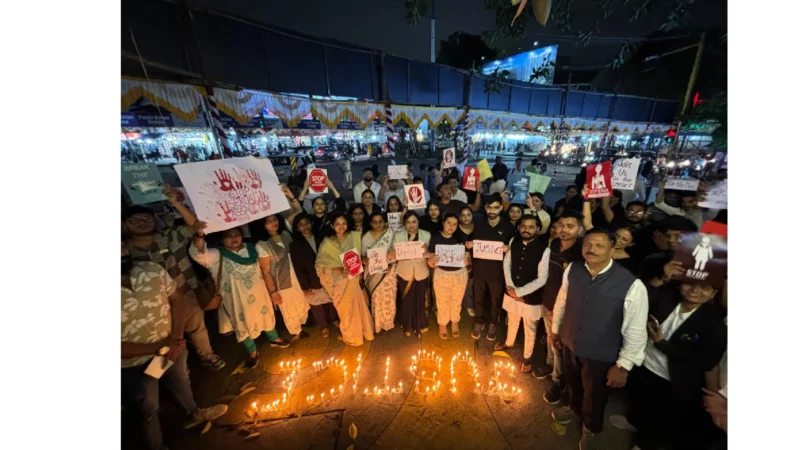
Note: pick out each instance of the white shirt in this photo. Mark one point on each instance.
(541, 274)
(361, 187)
(634, 320)
(399, 192)
(497, 187)
(460, 195)
(654, 359)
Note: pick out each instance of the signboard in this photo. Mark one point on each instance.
(318, 180)
(711, 227)
(377, 260)
(682, 184)
(352, 263)
(398, 172)
(449, 157)
(519, 189)
(522, 65)
(227, 193)
(415, 195)
(450, 255)
(144, 114)
(471, 180)
(539, 183)
(487, 250)
(395, 221)
(484, 170)
(409, 250)
(625, 171)
(143, 183)
(705, 258)
(598, 179)
(716, 197)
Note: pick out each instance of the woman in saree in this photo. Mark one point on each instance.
(381, 287)
(348, 297)
(413, 278)
(246, 308)
(280, 276)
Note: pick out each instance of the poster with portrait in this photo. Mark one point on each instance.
(472, 179)
(415, 194)
(598, 179)
(704, 256)
(519, 189)
(449, 158)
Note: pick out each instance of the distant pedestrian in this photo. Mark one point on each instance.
(344, 166)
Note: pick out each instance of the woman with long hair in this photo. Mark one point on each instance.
(356, 215)
(536, 204)
(319, 209)
(381, 287)
(394, 205)
(303, 251)
(246, 308)
(449, 283)
(431, 221)
(464, 233)
(623, 249)
(348, 297)
(412, 278)
(368, 202)
(514, 213)
(280, 276)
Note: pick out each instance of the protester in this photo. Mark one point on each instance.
(488, 281)
(431, 222)
(536, 204)
(169, 250)
(393, 205)
(671, 198)
(246, 308)
(688, 209)
(391, 188)
(153, 313)
(449, 283)
(344, 166)
(456, 193)
(525, 269)
(602, 339)
(319, 207)
(356, 215)
(665, 237)
(366, 185)
(348, 297)
(303, 252)
(381, 287)
(281, 279)
(514, 213)
(500, 169)
(517, 169)
(447, 204)
(465, 229)
(368, 202)
(571, 192)
(412, 278)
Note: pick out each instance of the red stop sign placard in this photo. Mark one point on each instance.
(317, 181)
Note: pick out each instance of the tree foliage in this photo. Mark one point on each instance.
(712, 111)
(416, 10)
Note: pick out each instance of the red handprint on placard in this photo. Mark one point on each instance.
(263, 201)
(255, 179)
(239, 185)
(224, 178)
(225, 210)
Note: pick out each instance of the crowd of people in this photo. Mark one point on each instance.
(599, 275)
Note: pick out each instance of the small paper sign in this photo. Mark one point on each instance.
(484, 169)
(318, 181)
(377, 260)
(471, 179)
(598, 178)
(487, 250)
(519, 190)
(352, 263)
(682, 184)
(157, 367)
(716, 197)
(398, 172)
(450, 255)
(705, 258)
(625, 171)
(449, 158)
(143, 183)
(395, 221)
(539, 183)
(409, 250)
(415, 195)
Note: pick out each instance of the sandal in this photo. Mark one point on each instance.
(443, 331)
(501, 346)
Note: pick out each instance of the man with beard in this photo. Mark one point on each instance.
(169, 249)
(365, 185)
(488, 280)
(600, 317)
(634, 217)
(447, 204)
(152, 325)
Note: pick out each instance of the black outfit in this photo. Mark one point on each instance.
(319, 225)
(464, 237)
(375, 207)
(488, 279)
(670, 412)
(429, 225)
(558, 264)
(303, 258)
(631, 264)
(438, 239)
(453, 207)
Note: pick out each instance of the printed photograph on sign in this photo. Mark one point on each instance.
(449, 158)
(598, 178)
(415, 194)
(716, 197)
(377, 261)
(450, 255)
(398, 172)
(231, 192)
(395, 221)
(143, 183)
(682, 184)
(539, 183)
(487, 250)
(625, 173)
(318, 181)
(472, 179)
(409, 250)
(352, 263)
(704, 256)
(519, 190)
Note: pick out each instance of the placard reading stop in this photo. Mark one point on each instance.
(318, 181)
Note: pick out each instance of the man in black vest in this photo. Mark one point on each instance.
(525, 268)
(600, 316)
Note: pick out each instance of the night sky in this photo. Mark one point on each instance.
(380, 24)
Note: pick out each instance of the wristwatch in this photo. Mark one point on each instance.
(163, 350)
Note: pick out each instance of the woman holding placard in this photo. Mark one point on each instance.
(464, 232)
(450, 279)
(381, 287)
(343, 286)
(412, 281)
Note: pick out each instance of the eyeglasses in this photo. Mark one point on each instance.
(141, 219)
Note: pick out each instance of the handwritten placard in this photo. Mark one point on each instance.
(409, 250)
(449, 158)
(395, 221)
(398, 172)
(716, 197)
(377, 260)
(598, 179)
(450, 255)
(682, 184)
(625, 171)
(487, 250)
(539, 183)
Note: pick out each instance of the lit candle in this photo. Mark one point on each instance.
(322, 397)
(375, 389)
(340, 388)
(365, 391)
(281, 365)
(427, 389)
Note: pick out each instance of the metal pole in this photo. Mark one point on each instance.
(433, 32)
(693, 77)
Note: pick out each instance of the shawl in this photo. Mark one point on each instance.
(329, 252)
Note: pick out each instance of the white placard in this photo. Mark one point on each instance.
(227, 193)
(157, 367)
(398, 172)
(450, 255)
(377, 260)
(449, 158)
(415, 194)
(395, 221)
(533, 312)
(624, 174)
(716, 197)
(682, 184)
(409, 250)
(487, 250)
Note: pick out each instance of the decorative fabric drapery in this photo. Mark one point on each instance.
(414, 115)
(330, 113)
(180, 99)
